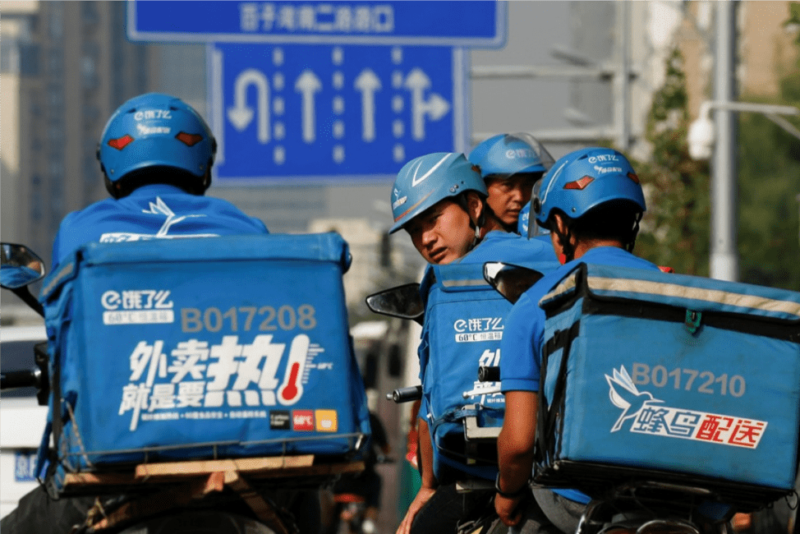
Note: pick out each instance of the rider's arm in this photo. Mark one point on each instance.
(519, 374)
(429, 482)
(515, 453)
(426, 456)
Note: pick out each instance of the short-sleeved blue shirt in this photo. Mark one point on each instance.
(521, 346)
(157, 211)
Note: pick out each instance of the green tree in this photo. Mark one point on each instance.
(769, 182)
(675, 229)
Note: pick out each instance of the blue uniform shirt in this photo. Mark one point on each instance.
(521, 346)
(157, 211)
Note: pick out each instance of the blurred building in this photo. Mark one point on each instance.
(67, 66)
(378, 263)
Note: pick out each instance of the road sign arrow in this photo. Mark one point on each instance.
(437, 107)
(367, 82)
(241, 114)
(308, 84)
(417, 80)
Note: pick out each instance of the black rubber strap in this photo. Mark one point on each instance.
(546, 420)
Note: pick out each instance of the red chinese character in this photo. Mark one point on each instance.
(709, 428)
(747, 433)
(712, 428)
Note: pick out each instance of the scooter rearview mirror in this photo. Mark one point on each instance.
(401, 301)
(510, 280)
(19, 266)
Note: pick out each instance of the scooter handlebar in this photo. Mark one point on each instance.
(405, 394)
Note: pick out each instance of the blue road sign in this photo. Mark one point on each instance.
(332, 114)
(430, 23)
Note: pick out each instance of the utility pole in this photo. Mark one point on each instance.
(724, 261)
(621, 79)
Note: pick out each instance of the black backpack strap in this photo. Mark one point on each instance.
(548, 412)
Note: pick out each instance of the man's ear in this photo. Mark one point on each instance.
(474, 206)
(559, 223)
(559, 229)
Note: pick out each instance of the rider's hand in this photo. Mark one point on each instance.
(509, 510)
(423, 495)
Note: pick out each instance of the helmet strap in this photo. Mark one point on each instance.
(564, 238)
(634, 232)
(476, 225)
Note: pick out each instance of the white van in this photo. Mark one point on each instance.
(22, 420)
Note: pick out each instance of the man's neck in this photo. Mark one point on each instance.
(491, 225)
(585, 246)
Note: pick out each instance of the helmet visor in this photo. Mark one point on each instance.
(533, 225)
(524, 154)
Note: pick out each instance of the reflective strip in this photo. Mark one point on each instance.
(64, 272)
(563, 287)
(678, 291)
(464, 283)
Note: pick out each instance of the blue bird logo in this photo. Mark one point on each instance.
(626, 396)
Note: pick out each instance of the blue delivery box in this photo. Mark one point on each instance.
(202, 348)
(654, 376)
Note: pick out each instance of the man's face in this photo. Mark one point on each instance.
(442, 233)
(507, 196)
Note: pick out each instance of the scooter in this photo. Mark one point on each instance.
(190, 497)
(638, 506)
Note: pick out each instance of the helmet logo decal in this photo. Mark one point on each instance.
(399, 202)
(605, 170)
(416, 181)
(120, 142)
(150, 130)
(157, 208)
(603, 157)
(152, 114)
(519, 153)
(423, 199)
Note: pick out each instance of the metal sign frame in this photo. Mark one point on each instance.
(466, 37)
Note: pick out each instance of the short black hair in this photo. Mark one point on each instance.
(191, 183)
(616, 220)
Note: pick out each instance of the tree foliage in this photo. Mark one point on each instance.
(675, 229)
(769, 182)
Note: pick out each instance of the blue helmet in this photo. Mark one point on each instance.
(585, 179)
(505, 155)
(156, 130)
(426, 180)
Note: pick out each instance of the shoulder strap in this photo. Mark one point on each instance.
(548, 412)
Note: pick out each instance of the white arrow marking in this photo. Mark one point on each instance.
(367, 82)
(436, 107)
(241, 114)
(308, 84)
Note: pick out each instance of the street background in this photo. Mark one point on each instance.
(633, 75)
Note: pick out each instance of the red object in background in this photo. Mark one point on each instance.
(412, 446)
(665, 269)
